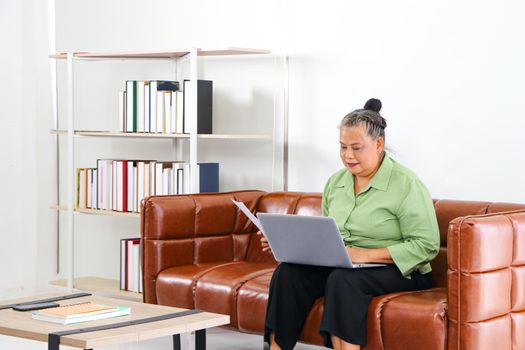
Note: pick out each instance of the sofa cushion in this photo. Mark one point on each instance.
(175, 285)
(251, 303)
(391, 317)
(415, 320)
(217, 289)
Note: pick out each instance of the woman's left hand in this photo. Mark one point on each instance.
(369, 255)
(358, 255)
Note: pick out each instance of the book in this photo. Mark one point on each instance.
(204, 106)
(131, 103)
(156, 102)
(122, 111)
(208, 177)
(81, 312)
(140, 105)
(130, 265)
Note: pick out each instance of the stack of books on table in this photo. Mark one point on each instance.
(81, 312)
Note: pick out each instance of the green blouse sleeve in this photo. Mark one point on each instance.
(419, 229)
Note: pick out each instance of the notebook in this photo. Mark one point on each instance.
(80, 312)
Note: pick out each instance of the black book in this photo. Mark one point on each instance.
(167, 85)
(204, 106)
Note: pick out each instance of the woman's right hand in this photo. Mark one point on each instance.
(264, 243)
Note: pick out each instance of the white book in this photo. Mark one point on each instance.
(190, 111)
(107, 184)
(160, 112)
(147, 173)
(158, 178)
(179, 128)
(166, 174)
(131, 266)
(130, 185)
(139, 267)
(119, 184)
(121, 111)
(173, 111)
(167, 111)
(153, 105)
(130, 105)
(140, 183)
(140, 106)
(114, 185)
(100, 184)
(135, 187)
(89, 181)
(123, 275)
(147, 119)
(136, 269)
(81, 188)
(94, 189)
(104, 182)
(152, 177)
(188, 179)
(178, 177)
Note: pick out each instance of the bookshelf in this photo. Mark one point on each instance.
(80, 133)
(186, 143)
(97, 212)
(101, 286)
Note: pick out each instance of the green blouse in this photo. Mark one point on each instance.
(394, 211)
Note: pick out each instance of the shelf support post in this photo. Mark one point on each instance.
(193, 114)
(70, 171)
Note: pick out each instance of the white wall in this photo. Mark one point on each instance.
(26, 225)
(450, 76)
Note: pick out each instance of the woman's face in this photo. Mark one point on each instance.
(360, 154)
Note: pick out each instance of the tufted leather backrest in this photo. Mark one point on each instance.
(283, 203)
(193, 229)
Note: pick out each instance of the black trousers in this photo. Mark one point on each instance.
(347, 293)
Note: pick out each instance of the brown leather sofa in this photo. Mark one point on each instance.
(200, 252)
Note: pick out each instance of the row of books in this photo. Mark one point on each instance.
(130, 268)
(160, 106)
(120, 184)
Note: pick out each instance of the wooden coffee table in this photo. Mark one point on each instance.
(20, 324)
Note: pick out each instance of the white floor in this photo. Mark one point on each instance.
(216, 339)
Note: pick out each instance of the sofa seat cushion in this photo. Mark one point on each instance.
(251, 304)
(217, 289)
(415, 320)
(175, 286)
(391, 320)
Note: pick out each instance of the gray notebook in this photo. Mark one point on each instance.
(309, 240)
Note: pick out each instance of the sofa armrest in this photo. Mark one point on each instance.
(486, 281)
(192, 229)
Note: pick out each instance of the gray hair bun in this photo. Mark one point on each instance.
(373, 104)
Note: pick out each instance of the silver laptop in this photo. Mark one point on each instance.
(309, 240)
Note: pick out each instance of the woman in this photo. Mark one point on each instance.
(385, 215)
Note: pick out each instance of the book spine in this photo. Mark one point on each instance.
(130, 105)
(208, 177)
(153, 105)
